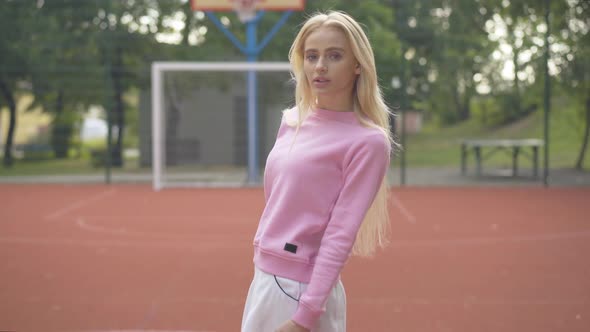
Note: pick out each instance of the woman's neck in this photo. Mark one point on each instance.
(335, 104)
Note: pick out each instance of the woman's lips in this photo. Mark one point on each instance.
(320, 82)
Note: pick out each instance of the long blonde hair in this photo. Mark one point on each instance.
(369, 107)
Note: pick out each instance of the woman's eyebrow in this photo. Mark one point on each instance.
(333, 48)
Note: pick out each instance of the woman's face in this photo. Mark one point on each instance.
(329, 64)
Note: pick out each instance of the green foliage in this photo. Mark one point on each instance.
(440, 146)
(72, 54)
(61, 133)
(15, 20)
(487, 111)
(98, 157)
(376, 17)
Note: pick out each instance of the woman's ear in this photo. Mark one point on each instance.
(357, 69)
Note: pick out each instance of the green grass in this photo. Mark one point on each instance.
(71, 166)
(433, 147)
(50, 167)
(441, 146)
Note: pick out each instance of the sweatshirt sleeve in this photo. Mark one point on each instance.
(365, 165)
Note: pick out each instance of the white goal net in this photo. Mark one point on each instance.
(204, 132)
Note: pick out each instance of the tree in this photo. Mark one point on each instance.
(376, 17)
(65, 78)
(569, 57)
(444, 47)
(14, 62)
(571, 26)
(118, 48)
(466, 45)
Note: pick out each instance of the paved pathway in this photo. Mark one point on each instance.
(414, 177)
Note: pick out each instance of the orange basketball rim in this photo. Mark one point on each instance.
(229, 5)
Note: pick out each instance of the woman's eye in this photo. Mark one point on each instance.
(335, 56)
(311, 57)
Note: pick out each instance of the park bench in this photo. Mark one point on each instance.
(32, 151)
(515, 146)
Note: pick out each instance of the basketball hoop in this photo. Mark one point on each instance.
(246, 9)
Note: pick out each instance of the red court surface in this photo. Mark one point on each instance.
(125, 258)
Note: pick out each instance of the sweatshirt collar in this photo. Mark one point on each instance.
(335, 115)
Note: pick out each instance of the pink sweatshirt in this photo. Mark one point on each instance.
(317, 195)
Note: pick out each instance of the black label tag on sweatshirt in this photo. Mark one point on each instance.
(290, 247)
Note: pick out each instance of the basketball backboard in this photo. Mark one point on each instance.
(229, 5)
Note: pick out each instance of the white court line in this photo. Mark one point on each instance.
(397, 300)
(473, 300)
(196, 245)
(84, 224)
(81, 222)
(467, 300)
(150, 330)
(409, 216)
(217, 218)
(79, 204)
(219, 244)
(494, 240)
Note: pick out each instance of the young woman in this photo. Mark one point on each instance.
(324, 182)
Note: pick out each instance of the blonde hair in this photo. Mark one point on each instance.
(369, 107)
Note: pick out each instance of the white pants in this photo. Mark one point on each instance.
(271, 302)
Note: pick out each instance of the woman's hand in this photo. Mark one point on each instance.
(291, 326)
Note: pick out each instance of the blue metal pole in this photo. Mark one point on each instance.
(273, 31)
(251, 50)
(226, 32)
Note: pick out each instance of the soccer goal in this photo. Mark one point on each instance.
(205, 130)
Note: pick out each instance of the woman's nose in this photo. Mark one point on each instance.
(321, 66)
